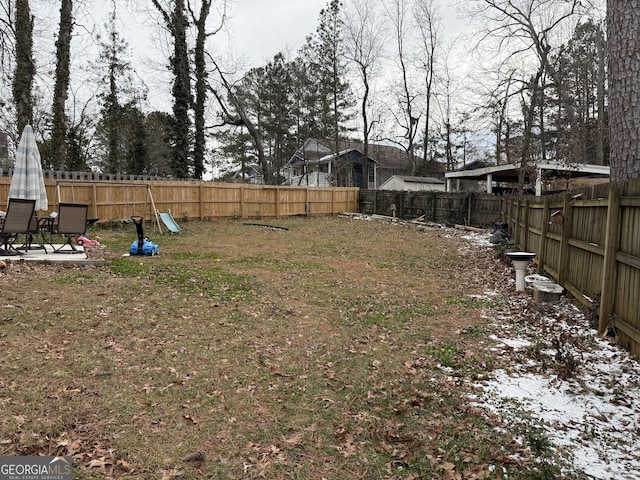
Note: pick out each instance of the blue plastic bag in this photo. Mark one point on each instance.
(148, 248)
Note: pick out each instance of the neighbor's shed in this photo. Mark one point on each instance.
(413, 184)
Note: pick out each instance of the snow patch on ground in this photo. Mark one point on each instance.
(480, 239)
(582, 390)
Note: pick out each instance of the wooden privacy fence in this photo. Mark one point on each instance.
(467, 208)
(589, 242)
(109, 200)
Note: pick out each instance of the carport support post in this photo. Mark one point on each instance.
(489, 183)
(539, 182)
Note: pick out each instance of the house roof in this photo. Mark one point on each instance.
(408, 179)
(314, 159)
(321, 151)
(413, 179)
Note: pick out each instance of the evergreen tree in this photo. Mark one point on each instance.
(236, 150)
(111, 57)
(336, 103)
(581, 74)
(121, 125)
(136, 153)
(157, 143)
(275, 90)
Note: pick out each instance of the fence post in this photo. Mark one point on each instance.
(516, 224)
(242, 201)
(95, 200)
(609, 265)
(542, 255)
(525, 228)
(201, 195)
(563, 264)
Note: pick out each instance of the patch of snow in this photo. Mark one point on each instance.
(481, 239)
(514, 343)
(582, 389)
(592, 416)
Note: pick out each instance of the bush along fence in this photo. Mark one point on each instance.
(588, 241)
(117, 200)
(466, 208)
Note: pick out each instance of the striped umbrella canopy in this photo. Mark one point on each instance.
(27, 181)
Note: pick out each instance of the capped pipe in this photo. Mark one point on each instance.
(521, 261)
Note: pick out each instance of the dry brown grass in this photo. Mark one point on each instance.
(339, 348)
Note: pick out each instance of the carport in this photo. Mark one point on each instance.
(510, 173)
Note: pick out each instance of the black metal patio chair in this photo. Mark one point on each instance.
(16, 222)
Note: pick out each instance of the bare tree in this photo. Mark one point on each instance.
(237, 115)
(427, 23)
(398, 10)
(530, 27)
(7, 35)
(200, 67)
(365, 37)
(445, 102)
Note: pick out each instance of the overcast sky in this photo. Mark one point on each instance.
(262, 28)
(255, 31)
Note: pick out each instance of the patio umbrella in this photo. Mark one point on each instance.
(28, 181)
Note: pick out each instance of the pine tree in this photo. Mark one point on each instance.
(121, 125)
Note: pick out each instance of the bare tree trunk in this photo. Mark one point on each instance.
(601, 129)
(200, 67)
(397, 13)
(365, 38)
(241, 119)
(623, 25)
(427, 22)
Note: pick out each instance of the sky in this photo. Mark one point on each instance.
(262, 28)
(255, 31)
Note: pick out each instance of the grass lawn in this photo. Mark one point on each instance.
(336, 349)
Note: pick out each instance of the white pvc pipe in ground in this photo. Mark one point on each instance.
(521, 261)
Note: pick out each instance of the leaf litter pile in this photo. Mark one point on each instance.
(339, 348)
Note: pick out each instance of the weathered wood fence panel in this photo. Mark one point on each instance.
(589, 242)
(459, 208)
(114, 200)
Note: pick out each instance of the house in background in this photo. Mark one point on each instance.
(314, 164)
(250, 173)
(414, 184)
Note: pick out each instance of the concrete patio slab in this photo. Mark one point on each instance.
(46, 254)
